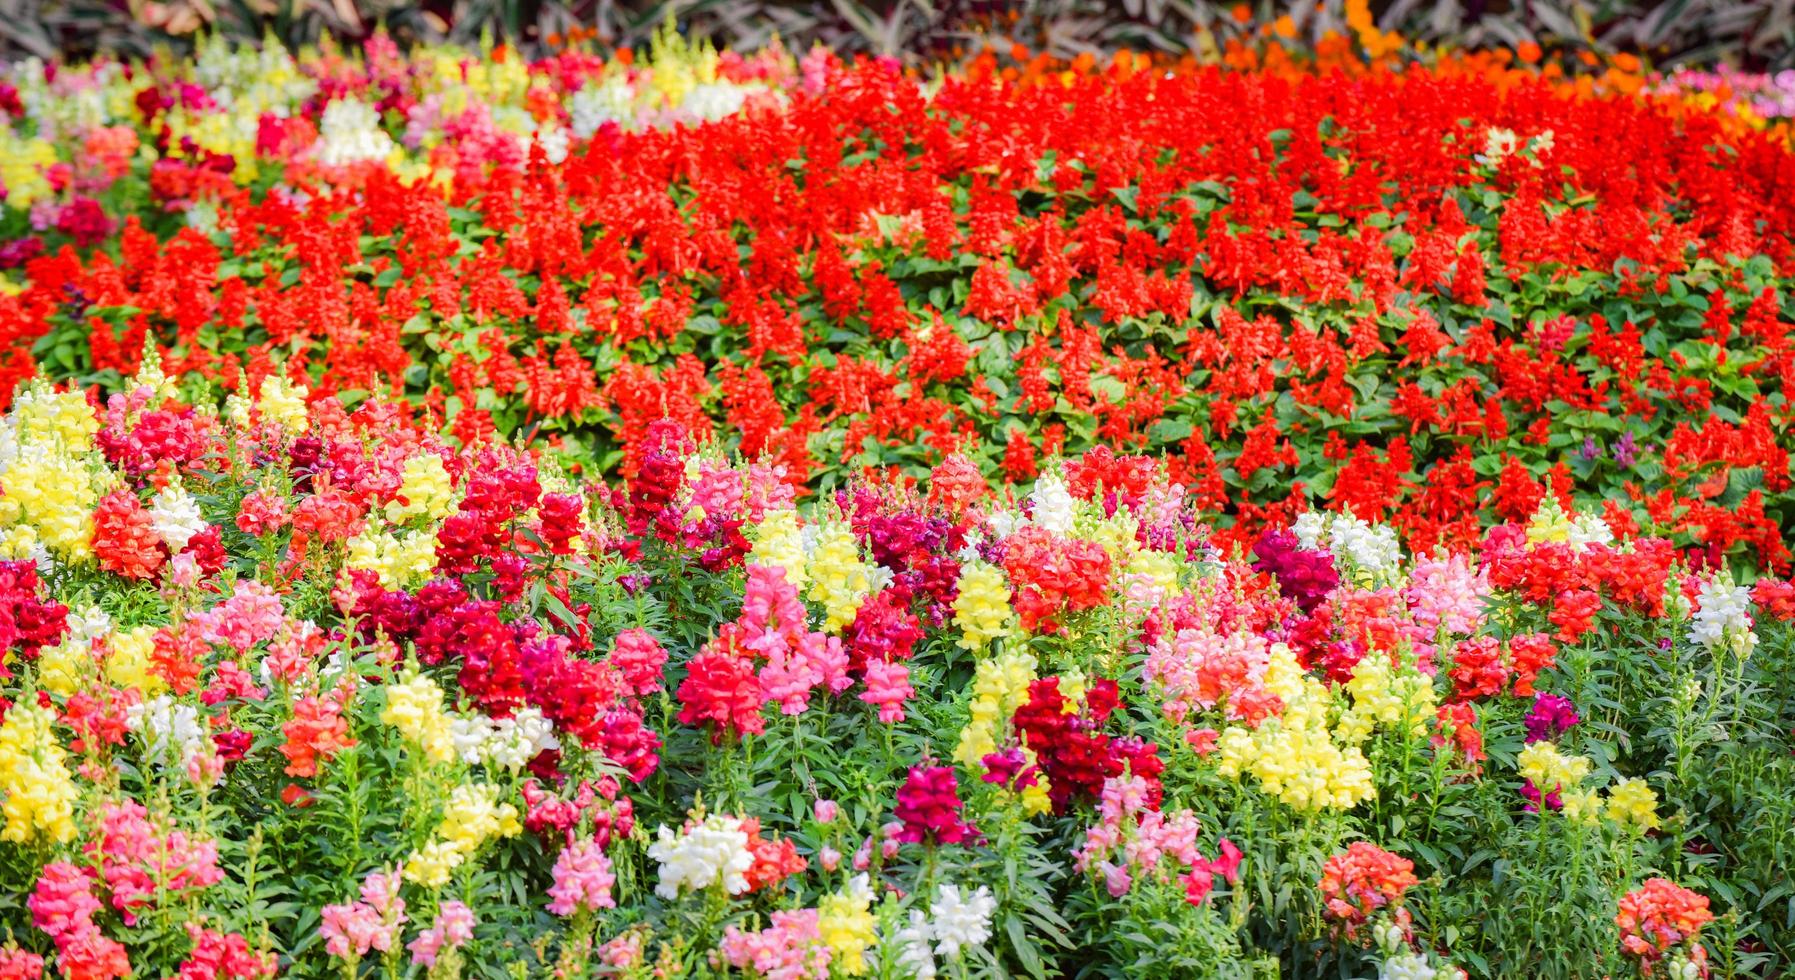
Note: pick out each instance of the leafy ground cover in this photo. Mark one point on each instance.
(710, 514)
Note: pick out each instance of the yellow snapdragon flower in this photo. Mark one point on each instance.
(1160, 568)
(129, 658)
(414, 706)
(19, 541)
(839, 580)
(1546, 767)
(779, 543)
(1293, 756)
(60, 419)
(472, 817)
(23, 163)
(848, 927)
(1631, 802)
(66, 667)
(401, 561)
(34, 778)
(1581, 806)
(1300, 766)
(982, 607)
(1399, 699)
(53, 494)
(283, 403)
(999, 686)
(425, 490)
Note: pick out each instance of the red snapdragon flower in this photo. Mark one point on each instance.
(928, 805)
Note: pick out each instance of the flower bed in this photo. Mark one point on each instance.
(1421, 294)
(303, 690)
(742, 516)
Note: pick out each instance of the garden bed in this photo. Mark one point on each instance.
(1293, 515)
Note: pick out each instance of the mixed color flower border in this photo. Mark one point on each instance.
(707, 515)
(1426, 292)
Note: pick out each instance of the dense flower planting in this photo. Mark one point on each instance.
(294, 689)
(1427, 293)
(708, 515)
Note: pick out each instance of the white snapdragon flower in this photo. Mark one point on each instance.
(88, 623)
(593, 106)
(1407, 965)
(714, 101)
(1309, 529)
(702, 855)
(915, 958)
(1004, 523)
(172, 731)
(175, 516)
(554, 142)
(350, 133)
(1681, 967)
(878, 578)
(9, 440)
(960, 921)
(1371, 549)
(1053, 505)
(518, 739)
(508, 743)
(471, 733)
(1389, 937)
(1723, 617)
(1589, 529)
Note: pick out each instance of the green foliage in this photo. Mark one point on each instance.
(1757, 33)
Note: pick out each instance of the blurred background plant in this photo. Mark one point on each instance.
(1758, 35)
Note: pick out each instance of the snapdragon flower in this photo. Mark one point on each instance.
(915, 957)
(846, 924)
(1722, 618)
(349, 133)
(1052, 505)
(959, 921)
(39, 792)
(171, 730)
(702, 854)
(611, 100)
(1370, 554)
(175, 516)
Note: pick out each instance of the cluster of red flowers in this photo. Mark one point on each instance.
(124, 537)
(506, 665)
(928, 808)
(775, 858)
(1020, 269)
(1073, 751)
(1483, 666)
(1303, 575)
(722, 687)
(28, 620)
(721, 690)
(918, 546)
(1660, 916)
(139, 438)
(1358, 882)
(316, 732)
(1053, 575)
(611, 814)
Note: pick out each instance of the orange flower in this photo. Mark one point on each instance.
(318, 730)
(124, 537)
